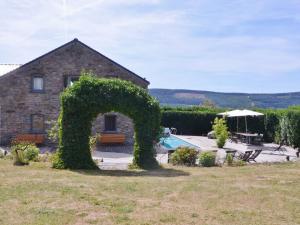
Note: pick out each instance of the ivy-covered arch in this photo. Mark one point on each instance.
(80, 105)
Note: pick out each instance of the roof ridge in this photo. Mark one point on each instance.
(75, 40)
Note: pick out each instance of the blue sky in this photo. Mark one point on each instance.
(220, 45)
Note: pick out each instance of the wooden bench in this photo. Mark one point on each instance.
(112, 138)
(32, 138)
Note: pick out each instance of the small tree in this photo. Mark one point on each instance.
(221, 131)
(24, 152)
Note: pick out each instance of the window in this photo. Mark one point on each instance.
(69, 80)
(38, 84)
(110, 122)
(37, 123)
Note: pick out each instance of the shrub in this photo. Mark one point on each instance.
(31, 153)
(184, 156)
(24, 152)
(221, 131)
(229, 159)
(17, 151)
(207, 159)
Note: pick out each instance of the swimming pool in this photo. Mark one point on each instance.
(173, 142)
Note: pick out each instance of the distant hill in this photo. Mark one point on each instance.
(178, 97)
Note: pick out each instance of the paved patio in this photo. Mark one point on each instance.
(113, 160)
(120, 161)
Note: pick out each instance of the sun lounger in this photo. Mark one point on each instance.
(254, 155)
(245, 156)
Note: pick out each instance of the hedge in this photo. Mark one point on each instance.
(188, 122)
(80, 105)
(275, 125)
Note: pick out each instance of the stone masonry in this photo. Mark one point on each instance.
(18, 102)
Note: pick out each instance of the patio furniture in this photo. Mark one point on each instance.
(245, 156)
(173, 130)
(279, 148)
(112, 138)
(258, 140)
(254, 155)
(233, 138)
(167, 132)
(247, 137)
(241, 113)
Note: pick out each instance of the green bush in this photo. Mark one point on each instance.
(24, 152)
(84, 100)
(221, 131)
(31, 153)
(229, 159)
(207, 159)
(184, 156)
(1, 155)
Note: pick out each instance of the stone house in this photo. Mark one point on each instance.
(29, 96)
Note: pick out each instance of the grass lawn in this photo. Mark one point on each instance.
(256, 194)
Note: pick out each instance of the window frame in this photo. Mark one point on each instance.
(32, 84)
(115, 123)
(31, 124)
(68, 79)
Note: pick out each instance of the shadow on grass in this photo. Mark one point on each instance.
(161, 172)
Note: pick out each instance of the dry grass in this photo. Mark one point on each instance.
(260, 194)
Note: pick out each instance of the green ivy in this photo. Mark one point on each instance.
(80, 105)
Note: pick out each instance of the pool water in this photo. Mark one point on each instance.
(173, 142)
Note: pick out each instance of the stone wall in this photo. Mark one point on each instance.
(124, 126)
(18, 102)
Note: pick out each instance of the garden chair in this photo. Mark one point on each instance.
(279, 148)
(233, 138)
(244, 157)
(254, 155)
(258, 140)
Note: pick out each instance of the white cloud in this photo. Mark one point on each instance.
(155, 37)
